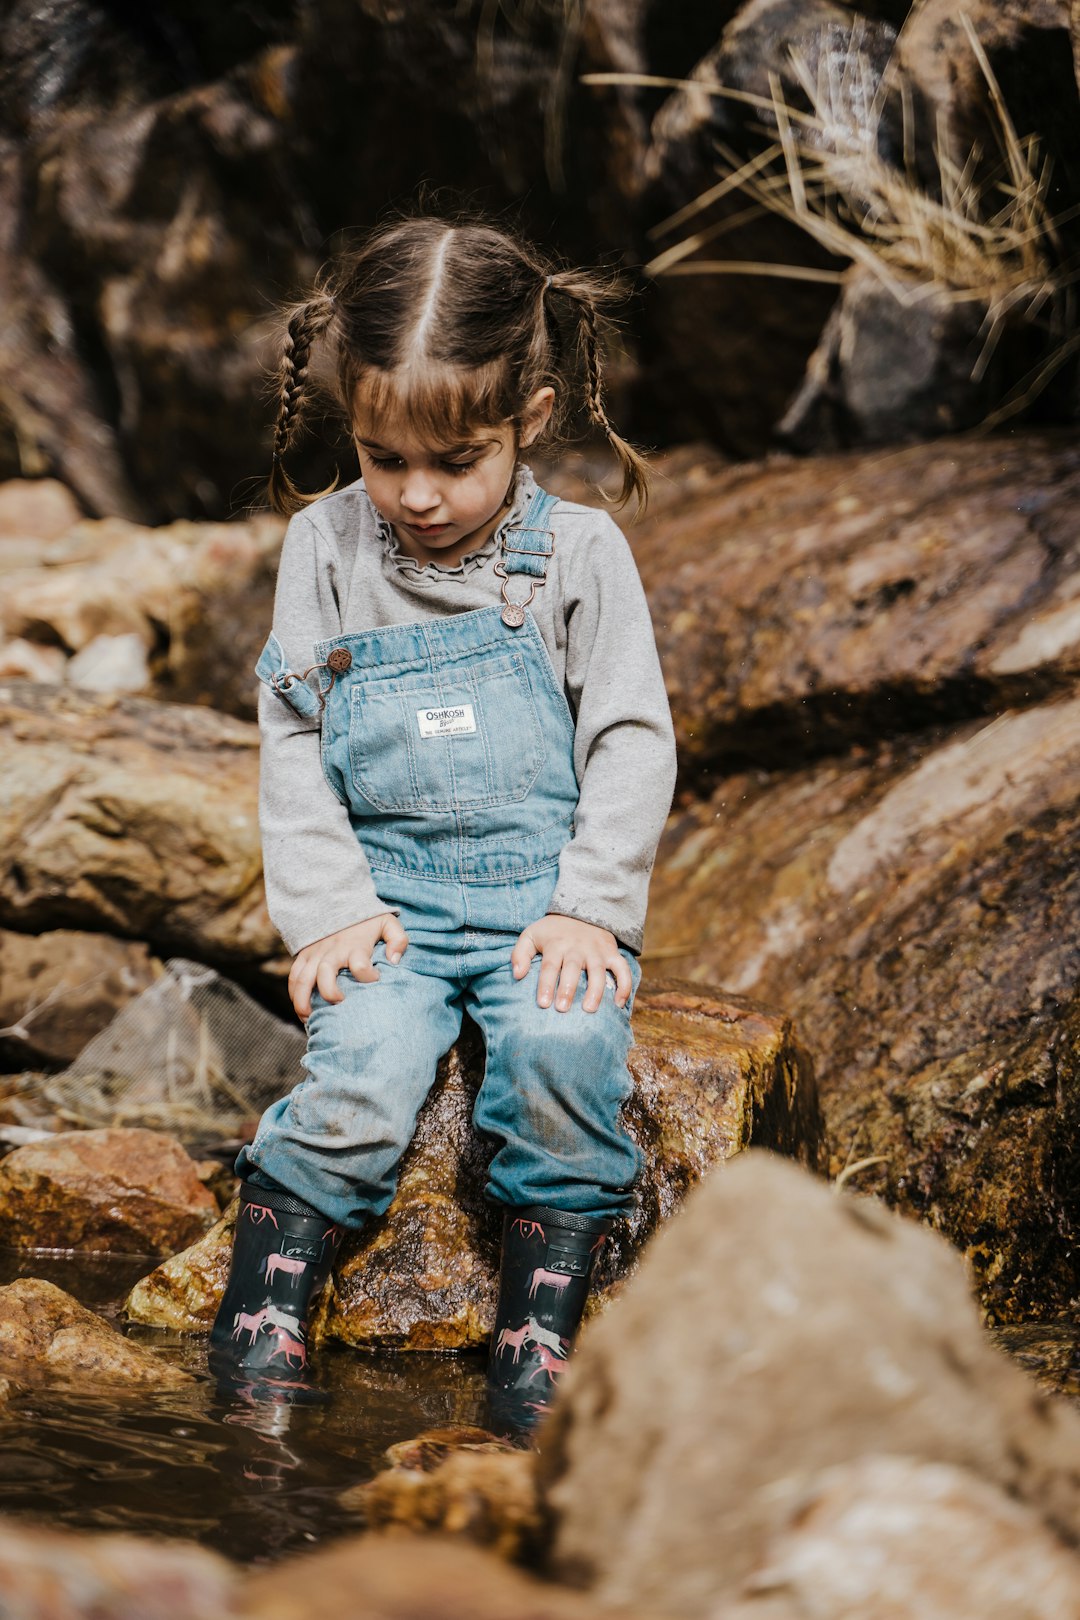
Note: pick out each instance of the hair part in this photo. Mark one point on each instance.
(454, 327)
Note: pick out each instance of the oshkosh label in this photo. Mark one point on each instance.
(454, 721)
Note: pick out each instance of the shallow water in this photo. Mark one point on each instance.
(252, 1481)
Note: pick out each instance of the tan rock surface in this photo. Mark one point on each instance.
(131, 817)
(711, 1074)
(60, 988)
(915, 909)
(404, 1577)
(803, 605)
(43, 1331)
(893, 1538)
(776, 1329)
(118, 1191)
(194, 598)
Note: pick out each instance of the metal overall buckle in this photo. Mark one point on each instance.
(339, 661)
(513, 613)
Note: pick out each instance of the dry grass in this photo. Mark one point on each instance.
(982, 234)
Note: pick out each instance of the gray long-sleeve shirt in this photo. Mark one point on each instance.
(343, 571)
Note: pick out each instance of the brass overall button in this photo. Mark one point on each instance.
(339, 660)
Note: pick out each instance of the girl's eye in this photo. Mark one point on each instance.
(459, 466)
(384, 461)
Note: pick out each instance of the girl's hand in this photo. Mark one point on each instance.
(569, 947)
(318, 965)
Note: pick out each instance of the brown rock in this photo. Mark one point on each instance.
(775, 1330)
(133, 818)
(893, 1538)
(711, 1074)
(915, 908)
(58, 989)
(800, 606)
(50, 1575)
(45, 1331)
(401, 1577)
(120, 1191)
(485, 1493)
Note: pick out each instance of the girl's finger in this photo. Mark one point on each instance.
(522, 954)
(301, 979)
(569, 979)
(549, 976)
(395, 939)
(326, 980)
(361, 969)
(594, 990)
(624, 980)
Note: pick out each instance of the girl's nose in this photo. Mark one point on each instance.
(418, 493)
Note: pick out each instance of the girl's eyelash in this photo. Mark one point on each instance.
(395, 461)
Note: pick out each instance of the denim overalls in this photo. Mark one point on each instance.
(451, 744)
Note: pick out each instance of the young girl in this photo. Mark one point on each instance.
(467, 759)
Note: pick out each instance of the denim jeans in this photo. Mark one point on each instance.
(450, 743)
(553, 1087)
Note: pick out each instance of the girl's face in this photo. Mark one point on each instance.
(443, 500)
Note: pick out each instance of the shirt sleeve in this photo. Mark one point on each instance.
(624, 746)
(317, 875)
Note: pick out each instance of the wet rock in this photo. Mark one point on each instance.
(43, 1331)
(915, 907)
(133, 818)
(58, 989)
(118, 1191)
(803, 606)
(774, 1330)
(482, 1491)
(711, 1074)
(892, 1538)
(398, 1577)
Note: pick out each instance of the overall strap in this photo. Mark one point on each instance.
(527, 546)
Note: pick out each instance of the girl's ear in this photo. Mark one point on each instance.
(536, 415)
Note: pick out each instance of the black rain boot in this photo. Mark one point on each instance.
(548, 1258)
(282, 1254)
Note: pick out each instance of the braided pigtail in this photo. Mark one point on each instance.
(586, 295)
(305, 323)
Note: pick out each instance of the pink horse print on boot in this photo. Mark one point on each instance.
(283, 1262)
(548, 1363)
(548, 1279)
(293, 1350)
(248, 1322)
(518, 1339)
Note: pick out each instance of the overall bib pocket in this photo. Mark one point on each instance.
(459, 739)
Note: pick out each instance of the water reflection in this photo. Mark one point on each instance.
(251, 1478)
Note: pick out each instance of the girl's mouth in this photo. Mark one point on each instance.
(428, 530)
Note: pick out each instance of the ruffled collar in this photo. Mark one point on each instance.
(430, 573)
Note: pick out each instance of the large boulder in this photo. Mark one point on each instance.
(711, 1074)
(916, 907)
(802, 606)
(44, 1333)
(131, 817)
(116, 1191)
(776, 1331)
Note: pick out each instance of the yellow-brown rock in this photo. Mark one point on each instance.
(131, 817)
(117, 1191)
(711, 1074)
(44, 1332)
(482, 1491)
(916, 909)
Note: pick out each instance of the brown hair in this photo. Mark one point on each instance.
(459, 325)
